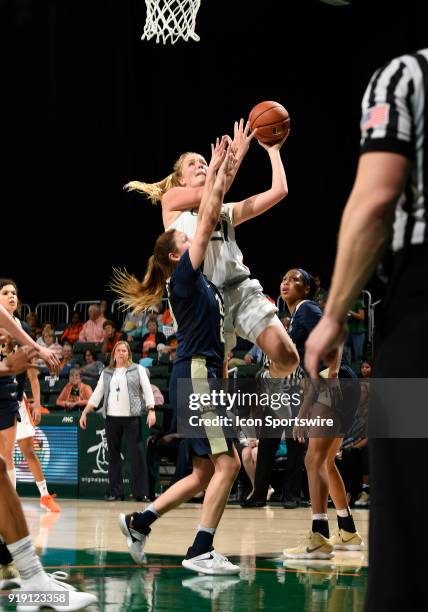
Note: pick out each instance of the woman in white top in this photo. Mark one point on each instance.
(122, 392)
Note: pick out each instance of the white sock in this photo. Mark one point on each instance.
(210, 530)
(26, 559)
(343, 513)
(12, 476)
(43, 487)
(320, 517)
(151, 508)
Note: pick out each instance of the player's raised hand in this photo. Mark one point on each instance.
(274, 146)
(50, 359)
(242, 137)
(218, 152)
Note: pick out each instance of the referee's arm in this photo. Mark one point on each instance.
(364, 231)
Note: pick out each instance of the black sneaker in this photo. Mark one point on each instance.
(252, 503)
(134, 539)
(290, 504)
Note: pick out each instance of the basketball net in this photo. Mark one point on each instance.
(170, 20)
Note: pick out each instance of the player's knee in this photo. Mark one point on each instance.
(291, 356)
(314, 458)
(286, 358)
(331, 464)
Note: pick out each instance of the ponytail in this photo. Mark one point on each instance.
(136, 295)
(155, 191)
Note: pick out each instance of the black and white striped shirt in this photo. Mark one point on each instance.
(395, 119)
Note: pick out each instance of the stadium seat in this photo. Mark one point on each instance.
(81, 347)
(159, 371)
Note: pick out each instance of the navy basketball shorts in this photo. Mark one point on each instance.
(198, 371)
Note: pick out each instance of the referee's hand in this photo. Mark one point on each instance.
(323, 343)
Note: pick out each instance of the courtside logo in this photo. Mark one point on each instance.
(42, 450)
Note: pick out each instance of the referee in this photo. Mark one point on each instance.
(389, 201)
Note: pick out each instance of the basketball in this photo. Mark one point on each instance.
(271, 120)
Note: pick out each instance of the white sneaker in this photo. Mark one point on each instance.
(77, 600)
(211, 563)
(135, 540)
(270, 492)
(61, 577)
(364, 500)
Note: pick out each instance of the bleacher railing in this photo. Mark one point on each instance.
(25, 310)
(57, 312)
(83, 306)
(118, 313)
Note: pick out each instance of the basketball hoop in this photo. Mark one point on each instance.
(170, 20)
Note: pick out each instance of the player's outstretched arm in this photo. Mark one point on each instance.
(258, 204)
(211, 210)
(22, 337)
(242, 137)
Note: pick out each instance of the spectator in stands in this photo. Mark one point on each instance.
(151, 314)
(73, 329)
(34, 329)
(321, 294)
(92, 330)
(157, 394)
(354, 345)
(165, 350)
(47, 326)
(131, 323)
(50, 342)
(122, 393)
(255, 355)
(152, 338)
(92, 367)
(104, 308)
(166, 318)
(111, 338)
(68, 360)
(75, 394)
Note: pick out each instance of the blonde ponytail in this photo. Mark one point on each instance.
(136, 295)
(155, 191)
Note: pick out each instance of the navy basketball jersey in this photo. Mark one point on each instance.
(198, 312)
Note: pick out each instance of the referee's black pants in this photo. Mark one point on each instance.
(398, 482)
(129, 428)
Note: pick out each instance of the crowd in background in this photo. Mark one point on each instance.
(85, 347)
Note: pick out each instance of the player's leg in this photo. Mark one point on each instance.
(316, 545)
(46, 500)
(347, 537)
(201, 557)
(136, 526)
(7, 444)
(14, 530)
(254, 318)
(249, 466)
(280, 349)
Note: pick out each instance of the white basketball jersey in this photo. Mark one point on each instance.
(223, 263)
